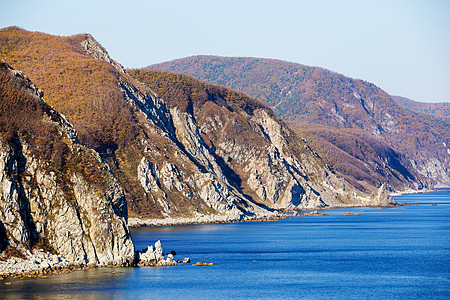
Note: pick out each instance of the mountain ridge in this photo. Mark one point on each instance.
(159, 153)
(311, 95)
(436, 109)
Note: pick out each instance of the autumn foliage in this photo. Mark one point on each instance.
(185, 92)
(304, 94)
(25, 117)
(80, 87)
(87, 91)
(22, 114)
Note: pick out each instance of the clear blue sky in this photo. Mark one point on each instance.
(401, 46)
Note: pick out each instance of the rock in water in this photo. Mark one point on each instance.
(153, 256)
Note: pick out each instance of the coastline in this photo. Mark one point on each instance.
(413, 192)
(40, 264)
(134, 222)
(37, 263)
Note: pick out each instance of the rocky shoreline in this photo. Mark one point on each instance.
(34, 263)
(134, 222)
(412, 192)
(217, 219)
(209, 219)
(37, 263)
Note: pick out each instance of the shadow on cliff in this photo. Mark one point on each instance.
(235, 179)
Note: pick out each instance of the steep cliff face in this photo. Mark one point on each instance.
(55, 193)
(222, 157)
(309, 96)
(247, 147)
(176, 169)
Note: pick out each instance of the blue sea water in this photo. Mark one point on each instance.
(385, 253)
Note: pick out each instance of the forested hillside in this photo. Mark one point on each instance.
(440, 110)
(306, 95)
(194, 151)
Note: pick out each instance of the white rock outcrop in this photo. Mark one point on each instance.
(154, 256)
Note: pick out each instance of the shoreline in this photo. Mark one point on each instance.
(219, 219)
(38, 263)
(210, 219)
(63, 266)
(415, 192)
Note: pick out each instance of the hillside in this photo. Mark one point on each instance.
(57, 196)
(262, 156)
(205, 152)
(354, 154)
(440, 110)
(310, 95)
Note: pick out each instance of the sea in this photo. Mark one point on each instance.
(383, 253)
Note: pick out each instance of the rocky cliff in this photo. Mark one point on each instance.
(308, 96)
(55, 194)
(223, 157)
(252, 151)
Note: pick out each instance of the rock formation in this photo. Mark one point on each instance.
(400, 148)
(207, 154)
(153, 256)
(55, 194)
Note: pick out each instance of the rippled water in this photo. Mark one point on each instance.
(401, 252)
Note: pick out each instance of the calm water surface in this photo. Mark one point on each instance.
(400, 253)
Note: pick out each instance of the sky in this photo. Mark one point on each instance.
(401, 46)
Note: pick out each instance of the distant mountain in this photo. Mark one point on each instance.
(194, 150)
(441, 109)
(304, 96)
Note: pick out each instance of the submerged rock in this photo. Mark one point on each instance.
(203, 264)
(313, 213)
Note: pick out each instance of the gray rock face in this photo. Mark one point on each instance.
(185, 168)
(261, 153)
(382, 197)
(438, 169)
(190, 169)
(96, 50)
(83, 222)
(249, 169)
(153, 256)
